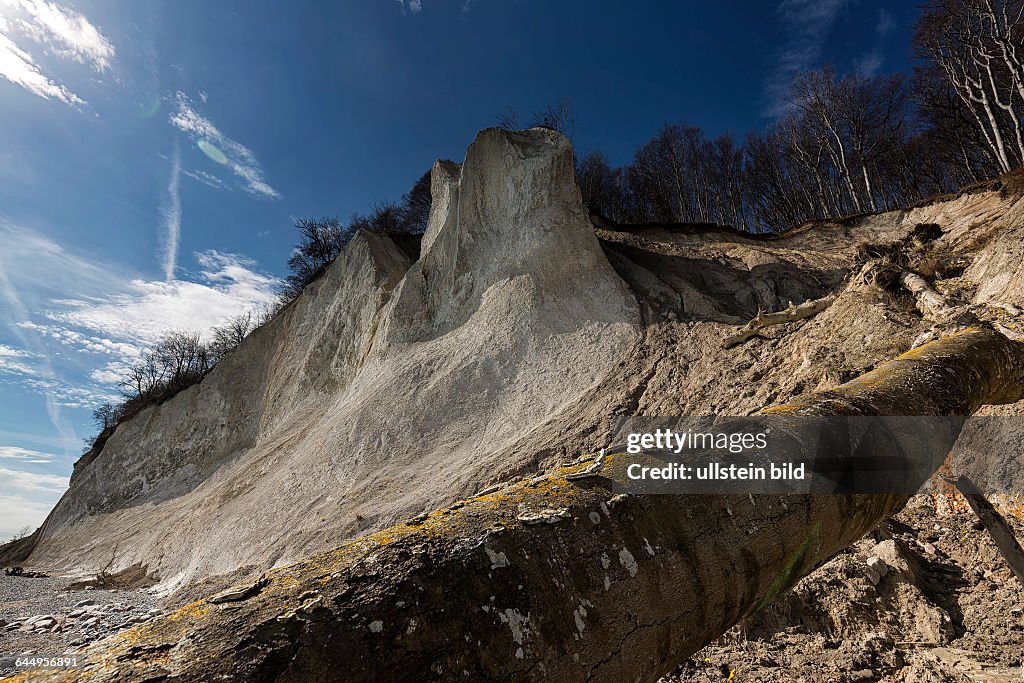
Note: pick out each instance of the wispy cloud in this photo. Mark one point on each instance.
(16, 361)
(226, 285)
(18, 67)
(62, 32)
(807, 24)
(413, 6)
(26, 496)
(25, 455)
(78, 323)
(18, 511)
(869, 64)
(886, 23)
(205, 178)
(220, 148)
(69, 33)
(171, 214)
(30, 481)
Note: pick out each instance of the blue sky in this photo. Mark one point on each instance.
(153, 155)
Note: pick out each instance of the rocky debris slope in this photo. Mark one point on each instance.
(40, 617)
(925, 597)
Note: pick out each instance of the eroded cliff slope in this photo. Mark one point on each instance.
(389, 388)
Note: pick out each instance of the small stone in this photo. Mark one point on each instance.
(547, 515)
(877, 568)
(85, 603)
(929, 548)
(616, 499)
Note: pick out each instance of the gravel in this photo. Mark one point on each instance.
(39, 617)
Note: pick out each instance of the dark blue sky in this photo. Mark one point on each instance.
(153, 154)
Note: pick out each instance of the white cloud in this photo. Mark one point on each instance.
(226, 286)
(15, 361)
(171, 214)
(32, 481)
(79, 323)
(807, 24)
(20, 68)
(205, 178)
(69, 33)
(414, 6)
(24, 454)
(26, 496)
(18, 512)
(62, 31)
(220, 147)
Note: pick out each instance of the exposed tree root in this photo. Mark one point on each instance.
(808, 309)
(1001, 533)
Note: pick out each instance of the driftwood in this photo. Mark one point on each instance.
(606, 588)
(808, 309)
(1001, 533)
(931, 304)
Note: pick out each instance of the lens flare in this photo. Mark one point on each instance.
(150, 107)
(210, 150)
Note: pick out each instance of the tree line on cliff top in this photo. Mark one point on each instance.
(845, 144)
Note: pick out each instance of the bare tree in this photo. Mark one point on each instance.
(183, 356)
(227, 337)
(105, 416)
(558, 116)
(320, 242)
(415, 207)
(551, 579)
(978, 46)
(509, 119)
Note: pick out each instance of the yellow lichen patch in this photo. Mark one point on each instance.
(193, 610)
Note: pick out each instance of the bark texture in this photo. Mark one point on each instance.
(550, 579)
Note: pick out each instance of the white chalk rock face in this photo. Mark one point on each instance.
(387, 388)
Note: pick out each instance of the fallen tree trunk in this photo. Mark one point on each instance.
(551, 579)
(931, 304)
(807, 309)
